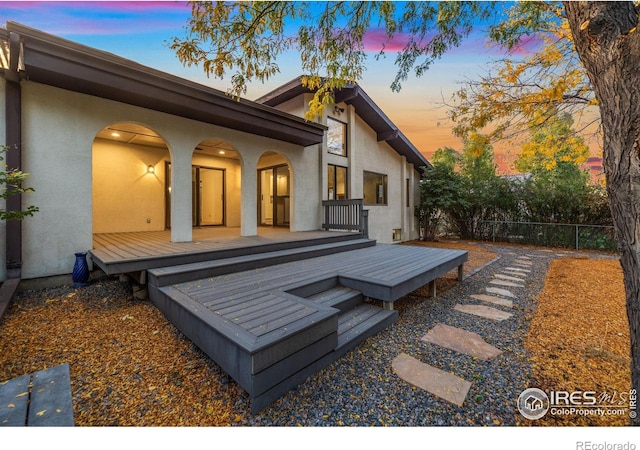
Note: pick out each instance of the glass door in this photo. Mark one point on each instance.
(274, 196)
(282, 205)
(207, 198)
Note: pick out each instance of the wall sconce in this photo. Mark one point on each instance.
(337, 110)
(151, 169)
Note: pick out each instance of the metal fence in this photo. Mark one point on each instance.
(592, 237)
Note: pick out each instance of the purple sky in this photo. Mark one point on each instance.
(140, 31)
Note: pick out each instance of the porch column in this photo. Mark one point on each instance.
(181, 221)
(249, 198)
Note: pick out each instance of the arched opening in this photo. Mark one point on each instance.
(216, 174)
(274, 190)
(129, 179)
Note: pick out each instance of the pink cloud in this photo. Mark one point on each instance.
(527, 45)
(374, 40)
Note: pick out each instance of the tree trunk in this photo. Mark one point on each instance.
(608, 44)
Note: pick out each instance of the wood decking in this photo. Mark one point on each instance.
(271, 326)
(273, 309)
(116, 253)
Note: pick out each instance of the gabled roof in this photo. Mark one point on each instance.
(365, 107)
(54, 61)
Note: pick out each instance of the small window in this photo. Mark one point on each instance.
(337, 182)
(336, 137)
(375, 188)
(397, 234)
(408, 193)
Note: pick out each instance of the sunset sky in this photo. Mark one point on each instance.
(140, 31)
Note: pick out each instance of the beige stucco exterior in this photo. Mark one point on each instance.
(88, 183)
(65, 160)
(366, 153)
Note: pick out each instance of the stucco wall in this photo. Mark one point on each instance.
(59, 129)
(365, 153)
(378, 157)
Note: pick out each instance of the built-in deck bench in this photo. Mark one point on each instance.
(271, 327)
(39, 400)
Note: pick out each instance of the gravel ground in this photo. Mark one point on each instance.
(361, 388)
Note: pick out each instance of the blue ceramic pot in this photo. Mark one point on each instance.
(80, 275)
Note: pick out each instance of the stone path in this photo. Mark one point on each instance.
(461, 341)
(443, 384)
(449, 386)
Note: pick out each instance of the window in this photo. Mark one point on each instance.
(375, 189)
(337, 182)
(408, 192)
(336, 137)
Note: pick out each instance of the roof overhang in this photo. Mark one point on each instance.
(366, 108)
(54, 61)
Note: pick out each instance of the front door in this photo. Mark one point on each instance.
(274, 196)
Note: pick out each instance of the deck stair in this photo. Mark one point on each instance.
(358, 320)
(224, 266)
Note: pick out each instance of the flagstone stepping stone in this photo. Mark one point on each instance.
(523, 257)
(518, 269)
(433, 380)
(493, 299)
(521, 262)
(499, 291)
(507, 277)
(520, 275)
(461, 341)
(483, 311)
(506, 283)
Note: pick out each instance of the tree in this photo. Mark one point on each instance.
(552, 144)
(558, 190)
(484, 195)
(606, 39)
(249, 36)
(11, 184)
(440, 191)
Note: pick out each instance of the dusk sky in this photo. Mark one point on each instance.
(140, 31)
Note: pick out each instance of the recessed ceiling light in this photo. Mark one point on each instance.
(221, 152)
(115, 134)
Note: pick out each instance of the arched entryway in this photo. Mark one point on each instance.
(129, 179)
(274, 190)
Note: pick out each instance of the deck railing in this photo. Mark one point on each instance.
(346, 215)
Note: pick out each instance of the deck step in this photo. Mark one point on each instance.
(339, 297)
(189, 272)
(360, 323)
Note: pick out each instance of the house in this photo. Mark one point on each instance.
(112, 146)
(161, 177)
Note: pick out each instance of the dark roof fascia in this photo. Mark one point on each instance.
(385, 129)
(68, 65)
(366, 108)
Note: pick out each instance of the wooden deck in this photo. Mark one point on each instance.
(116, 253)
(272, 326)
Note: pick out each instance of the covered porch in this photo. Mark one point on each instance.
(116, 253)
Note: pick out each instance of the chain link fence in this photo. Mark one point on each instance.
(576, 236)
